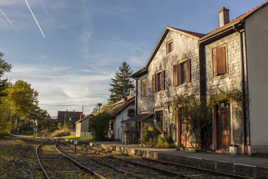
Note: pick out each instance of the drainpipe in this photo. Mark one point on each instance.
(244, 87)
(136, 98)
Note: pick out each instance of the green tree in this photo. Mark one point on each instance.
(22, 99)
(121, 83)
(100, 126)
(4, 110)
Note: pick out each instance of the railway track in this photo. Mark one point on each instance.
(56, 164)
(147, 168)
(121, 169)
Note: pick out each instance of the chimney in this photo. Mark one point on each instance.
(223, 16)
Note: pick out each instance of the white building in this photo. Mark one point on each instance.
(122, 112)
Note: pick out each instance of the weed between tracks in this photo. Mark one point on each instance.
(18, 160)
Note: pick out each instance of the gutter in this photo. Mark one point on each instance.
(243, 87)
(136, 98)
(218, 34)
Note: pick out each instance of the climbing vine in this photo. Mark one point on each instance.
(198, 115)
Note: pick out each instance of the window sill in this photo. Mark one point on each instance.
(184, 84)
(218, 77)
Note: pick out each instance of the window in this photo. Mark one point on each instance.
(143, 87)
(219, 60)
(158, 81)
(159, 119)
(131, 113)
(169, 46)
(182, 72)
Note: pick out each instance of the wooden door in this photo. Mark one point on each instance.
(223, 126)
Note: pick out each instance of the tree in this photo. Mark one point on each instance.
(23, 99)
(121, 83)
(4, 110)
(100, 126)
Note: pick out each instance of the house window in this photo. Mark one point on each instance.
(158, 81)
(219, 60)
(170, 47)
(182, 72)
(131, 113)
(143, 87)
(159, 119)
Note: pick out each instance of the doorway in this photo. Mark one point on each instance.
(223, 125)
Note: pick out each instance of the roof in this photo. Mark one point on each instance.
(122, 100)
(82, 119)
(139, 117)
(237, 20)
(119, 108)
(195, 35)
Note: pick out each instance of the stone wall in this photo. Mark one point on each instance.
(185, 46)
(229, 81)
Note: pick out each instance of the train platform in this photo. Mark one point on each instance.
(235, 165)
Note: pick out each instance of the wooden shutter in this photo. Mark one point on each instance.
(175, 75)
(179, 74)
(153, 83)
(188, 70)
(221, 60)
(215, 61)
(143, 91)
(162, 77)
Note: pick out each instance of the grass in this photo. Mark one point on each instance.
(18, 160)
(69, 137)
(4, 136)
(79, 138)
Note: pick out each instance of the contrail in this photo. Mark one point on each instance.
(6, 17)
(35, 19)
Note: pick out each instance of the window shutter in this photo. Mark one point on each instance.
(153, 83)
(143, 88)
(175, 75)
(215, 61)
(188, 71)
(162, 80)
(179, 74)
(221, 60)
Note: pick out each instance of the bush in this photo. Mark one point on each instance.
(155, 139)
(100, 126)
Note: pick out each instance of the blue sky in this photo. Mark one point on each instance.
(86, 40)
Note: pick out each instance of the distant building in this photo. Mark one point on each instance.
(82, 127)
(122, 111)
(69, 116)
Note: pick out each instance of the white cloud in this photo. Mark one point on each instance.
(59, 86)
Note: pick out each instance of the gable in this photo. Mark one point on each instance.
(182, 44)
(187, 34)
(165, 38)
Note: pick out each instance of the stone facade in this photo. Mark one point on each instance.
(184, 46)
(231, 58)
(231, 80)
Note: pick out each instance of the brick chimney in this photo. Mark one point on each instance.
(223, 16)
